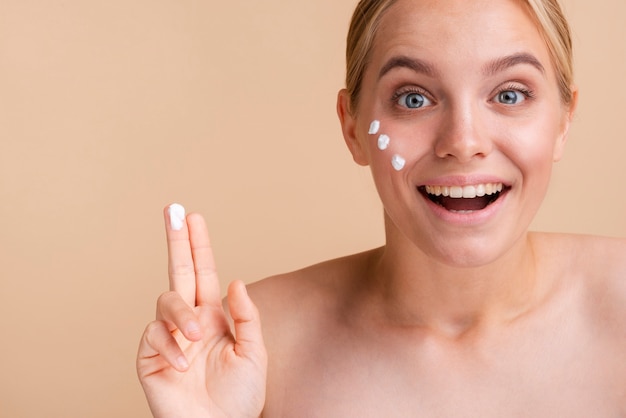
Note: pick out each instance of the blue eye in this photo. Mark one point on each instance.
(413, 100)
(510, 97)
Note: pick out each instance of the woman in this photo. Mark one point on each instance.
(460, 109)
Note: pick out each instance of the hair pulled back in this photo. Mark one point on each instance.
(548, 16)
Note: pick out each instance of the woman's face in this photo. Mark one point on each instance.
(466, 94)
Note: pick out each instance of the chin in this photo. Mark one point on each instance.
(471, 251)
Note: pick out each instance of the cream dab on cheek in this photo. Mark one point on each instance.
(397, 162)
(383, 142)
(374, 127)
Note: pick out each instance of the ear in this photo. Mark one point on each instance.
(349, 128)
(559, 148)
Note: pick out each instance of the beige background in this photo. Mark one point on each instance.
(109, 110)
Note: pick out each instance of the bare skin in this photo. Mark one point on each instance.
(342, 352)
(463, 313)
(189, 362)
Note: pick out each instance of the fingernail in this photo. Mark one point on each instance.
(177, 216)
(182, 363)
(193, 330)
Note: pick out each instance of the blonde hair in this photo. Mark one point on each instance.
(557, 35)
(367, 16)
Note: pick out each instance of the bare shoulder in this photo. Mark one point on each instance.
(602, 261)
(326, 276)
(598, 259)
(304, 296)
(599, 265)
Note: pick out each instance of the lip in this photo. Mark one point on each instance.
(465, 219)
(464, 180)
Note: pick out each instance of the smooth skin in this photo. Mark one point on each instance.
(189, 362)
(457, 315)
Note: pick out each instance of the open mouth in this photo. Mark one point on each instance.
(464, 199)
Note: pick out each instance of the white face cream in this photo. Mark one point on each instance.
(383, 142)
(374, 127)
(177, 216)
(397, 162)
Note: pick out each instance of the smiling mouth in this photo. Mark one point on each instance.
(464, 199)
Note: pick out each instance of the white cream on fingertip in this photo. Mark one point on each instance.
(374, 127)
(177, 216)
(383, 142)
(397, 162)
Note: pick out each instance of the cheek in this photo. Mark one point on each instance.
(535, 146)
(529, 148)
(389, 147)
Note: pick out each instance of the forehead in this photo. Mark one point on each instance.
(455, 30)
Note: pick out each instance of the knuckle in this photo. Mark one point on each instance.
(152, 328)
(171, 307)
(153, 332)
(205, 271)
(164, 300)
(182, 269)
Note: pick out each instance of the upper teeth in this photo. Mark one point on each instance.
(467, 192)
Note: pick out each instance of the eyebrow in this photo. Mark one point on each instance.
(500, 64)
(509, 61)
(415, 64)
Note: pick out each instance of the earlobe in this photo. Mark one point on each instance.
(559, 148)
(349, 128)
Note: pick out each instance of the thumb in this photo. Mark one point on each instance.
(247, 322)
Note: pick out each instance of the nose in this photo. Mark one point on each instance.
(463, 134)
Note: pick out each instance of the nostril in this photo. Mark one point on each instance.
(463, 144)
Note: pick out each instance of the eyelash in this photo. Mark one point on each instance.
(408, 90)
(526, 92)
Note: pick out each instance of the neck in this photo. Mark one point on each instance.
(414, 288)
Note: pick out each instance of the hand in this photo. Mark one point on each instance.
(189, 363)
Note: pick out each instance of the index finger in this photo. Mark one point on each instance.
(179, 259)
(192, 269)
